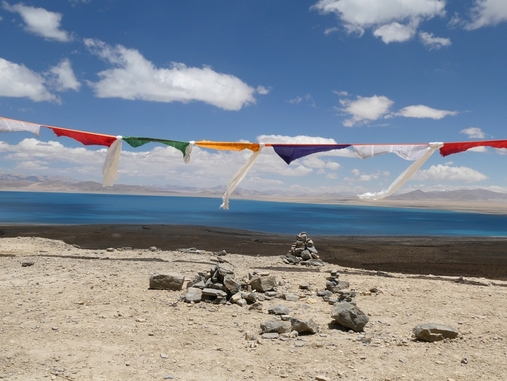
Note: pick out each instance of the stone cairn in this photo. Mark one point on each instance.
(220, 286)
(345, 311)
(303, 252)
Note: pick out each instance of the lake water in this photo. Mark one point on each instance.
(274, 217)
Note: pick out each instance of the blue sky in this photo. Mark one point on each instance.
(345, 71)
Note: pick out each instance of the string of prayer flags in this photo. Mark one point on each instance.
(418, 153)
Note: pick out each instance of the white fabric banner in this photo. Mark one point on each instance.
(405, 151)
(240, 175)
(12, 125)
(403, 178)
(188, 152)
(110, 168)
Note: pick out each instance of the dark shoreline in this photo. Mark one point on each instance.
(453, 256)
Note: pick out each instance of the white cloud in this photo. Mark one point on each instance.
(433, 42)
(359, 176)
(446, 173)
(40, 21)
(473, 133)
(396, 32)
(421, 111)
(63, 77)
(393, 20)
(330, 30)
(486, 13)
(365, 109)
(297, 100)
(263, 90)
(19, 81)
(134, 77)
(478, 149)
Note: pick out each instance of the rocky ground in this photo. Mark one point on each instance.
(88, 314)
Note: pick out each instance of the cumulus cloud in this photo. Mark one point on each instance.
(392, 20)
(421, 111)
(19, 81)
(263, 90)
(359, 176)
(396, 32)
(365, 109)
(447, 173)
(487, 13)
(473, 133)
(433, 42)
(134, 77)
(160, 165)
(40, 21)
(63, 78)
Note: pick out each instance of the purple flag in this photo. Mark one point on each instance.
(291, 152)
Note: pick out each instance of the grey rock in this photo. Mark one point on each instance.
(236, 297)
(302, 325)
(27, 264)
(270, 335)
(171, 281)
(193, 295)
(232, 285)
(348, 315)
(291, 297)
(304, 286)
(336, 286)
(263, 283)
(222, 270)
(275, 326)
(214, 293)
(434, 332)
(313, 262)
(278, 310)
(241, 302)
(250, 297)
(325, 294)
(201, 284)
(305, 254)
(257, 306)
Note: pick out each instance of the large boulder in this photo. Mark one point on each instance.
(434, 332)
(171, 281)
(302, 325)
(263, 283)
(349, 316)
(275, 326)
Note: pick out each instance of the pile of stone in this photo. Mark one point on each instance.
(345, 311)
(303, 252)
(219, 285)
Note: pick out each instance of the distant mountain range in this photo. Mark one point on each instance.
(454, 195)
(62, 184)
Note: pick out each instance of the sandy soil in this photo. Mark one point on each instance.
(87, 314)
